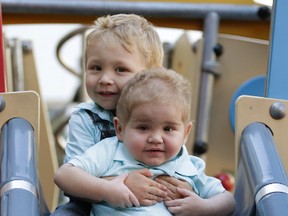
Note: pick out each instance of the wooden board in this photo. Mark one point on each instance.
(243, 58)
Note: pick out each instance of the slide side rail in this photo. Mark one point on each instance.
(261, 185)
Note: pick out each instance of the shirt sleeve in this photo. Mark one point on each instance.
(207, 186)
(81, 134)
(97, 159)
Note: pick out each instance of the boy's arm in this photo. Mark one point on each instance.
(79, 183)
(172, 184)
(221, 204)
(147, 191)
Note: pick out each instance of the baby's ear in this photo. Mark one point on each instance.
(187, 130)
(118, 127)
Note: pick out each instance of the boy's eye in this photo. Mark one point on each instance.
(168, 128)
(97, 68)
(142, 128)
(94, 68)
(121, 69)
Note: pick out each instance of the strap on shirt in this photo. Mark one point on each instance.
(103, 125)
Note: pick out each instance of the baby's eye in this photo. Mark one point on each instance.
(97, 68)
(142, 127)
(168, 128)
(121, 69)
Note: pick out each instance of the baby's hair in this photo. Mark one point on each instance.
(155, 85)
(131, 31)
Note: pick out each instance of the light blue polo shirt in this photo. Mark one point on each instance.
(111, 158)
(82, 132)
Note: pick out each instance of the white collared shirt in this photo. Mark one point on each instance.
(111, 158)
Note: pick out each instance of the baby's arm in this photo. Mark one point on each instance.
(221, 204)
(79, 183)
(147, 191)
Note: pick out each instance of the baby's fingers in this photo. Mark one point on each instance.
(157, 193)
(175, 209)
(148, 202)
(133, 200)
(129, 200)
(164, 183)
(173, 203)
(155, 198)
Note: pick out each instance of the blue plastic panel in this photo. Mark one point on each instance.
(278, 63)
(254, 87)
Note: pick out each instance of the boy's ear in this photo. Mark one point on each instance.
(187, 130)
(118, 127)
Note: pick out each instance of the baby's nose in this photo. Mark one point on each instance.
(155, 138)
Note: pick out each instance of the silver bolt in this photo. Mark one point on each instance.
(2, 103)
(26, 46)
(277, 110)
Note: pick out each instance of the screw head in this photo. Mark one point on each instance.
(2, 103)
(277, 110)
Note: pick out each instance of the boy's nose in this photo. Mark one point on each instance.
(105, 79)
(155, 138)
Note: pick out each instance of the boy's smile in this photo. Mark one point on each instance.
(106, 93)
(109, 70)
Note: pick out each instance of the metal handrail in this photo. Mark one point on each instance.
(262, 184)
(21, 192)
(80, 30)
(151, 9)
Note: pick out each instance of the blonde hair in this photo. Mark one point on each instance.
(130, 31)
(155, 85)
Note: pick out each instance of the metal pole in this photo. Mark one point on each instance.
(2, 61)
(17, 65)
(209, 71)
(262, 185)
(19, 185)
(151, 9)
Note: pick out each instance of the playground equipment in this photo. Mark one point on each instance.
(218, 65)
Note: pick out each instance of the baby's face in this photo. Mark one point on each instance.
(155, 133)
(108, 68)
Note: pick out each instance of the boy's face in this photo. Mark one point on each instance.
(108, 68)
(154, 132)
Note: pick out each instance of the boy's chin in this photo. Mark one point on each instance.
(155, 163)
(107, 107)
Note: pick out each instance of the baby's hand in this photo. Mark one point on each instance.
(191, 204)
(118, 193)
(221, 204)
(147, 191)
(172, 183)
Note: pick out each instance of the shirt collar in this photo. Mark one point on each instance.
(95, 108)
(181, 164)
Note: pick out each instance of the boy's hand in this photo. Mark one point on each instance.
(119, 194)
(172, 183)
(147, 191)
